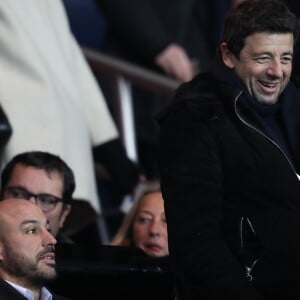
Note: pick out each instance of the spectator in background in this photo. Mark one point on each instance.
(27, 252)
(52, 100)
(171, 38)
(144, 226)
(44, 179)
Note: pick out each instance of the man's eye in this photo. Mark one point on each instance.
(31, 231)
(286, 60)
(47, 199)
(262, 59)
(18, 193)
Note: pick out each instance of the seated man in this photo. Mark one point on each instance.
(27, 252)
(44, 179)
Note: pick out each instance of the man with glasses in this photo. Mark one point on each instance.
(44, 179)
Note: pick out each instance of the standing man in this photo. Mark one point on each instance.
(169, 37)
(27, 252)
(230, 164)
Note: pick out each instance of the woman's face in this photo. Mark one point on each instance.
(150, 227)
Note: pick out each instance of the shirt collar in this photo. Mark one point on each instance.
(28, 294)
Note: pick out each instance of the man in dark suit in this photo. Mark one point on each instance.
(169, 37)
(27, 252)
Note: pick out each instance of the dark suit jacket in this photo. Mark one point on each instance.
(139, 29)
(7, 292)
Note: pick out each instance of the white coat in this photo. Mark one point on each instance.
(48, 91)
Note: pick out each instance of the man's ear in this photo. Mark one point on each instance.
(227, 56)
(66, 211)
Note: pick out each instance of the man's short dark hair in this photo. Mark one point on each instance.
(41, 161)
(256, 16)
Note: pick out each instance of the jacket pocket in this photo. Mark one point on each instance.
(250, 247)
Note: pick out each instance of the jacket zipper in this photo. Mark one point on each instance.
(248, 268)
(260, 132)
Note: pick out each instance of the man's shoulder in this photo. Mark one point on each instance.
(198, 96)
(201, 86)
(7, 292)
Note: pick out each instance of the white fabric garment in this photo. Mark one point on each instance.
(48, 91)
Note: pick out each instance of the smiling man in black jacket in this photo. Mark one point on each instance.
(230, 163)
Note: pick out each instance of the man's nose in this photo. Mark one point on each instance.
(32, 199)
(275, 68)
(49, 239)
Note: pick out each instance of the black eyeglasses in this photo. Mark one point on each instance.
(46, 202)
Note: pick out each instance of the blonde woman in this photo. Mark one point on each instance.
(144, 226)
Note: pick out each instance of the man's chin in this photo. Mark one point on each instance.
(268, 100)
(48, 270)
(49, 275)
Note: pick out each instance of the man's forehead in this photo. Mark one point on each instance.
(20, 168)
(37, 180)
(19, 207)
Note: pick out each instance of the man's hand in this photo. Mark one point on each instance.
(176, 63)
